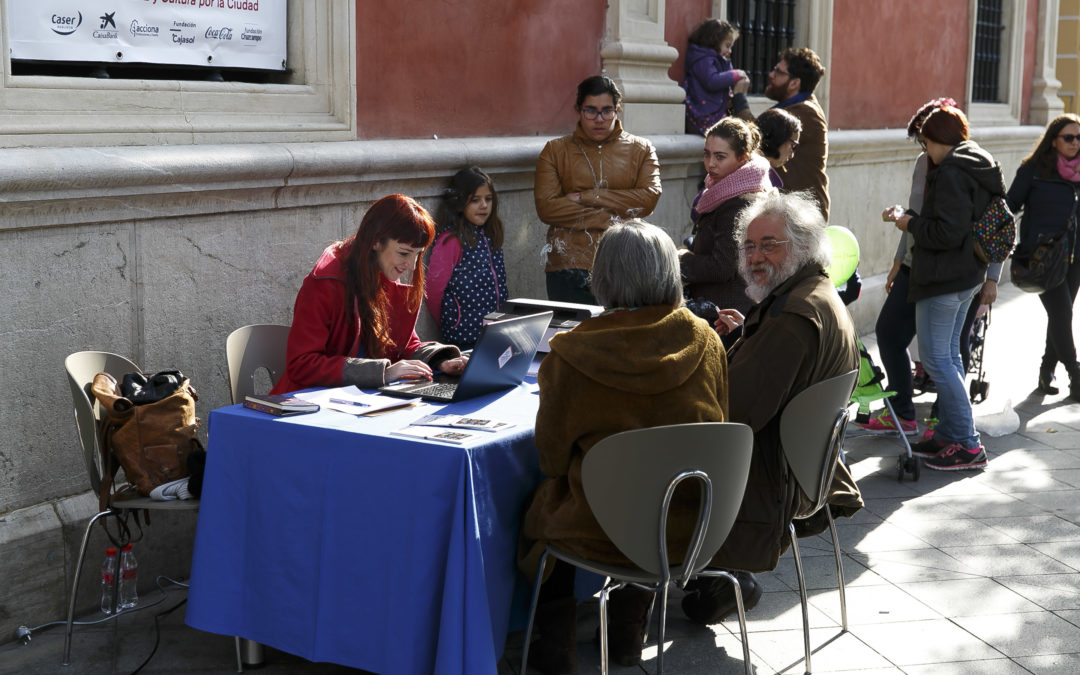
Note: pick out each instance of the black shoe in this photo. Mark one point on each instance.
(710, 600)
(928, 448)
(955, 457)
(555, 651)
(1046, 385)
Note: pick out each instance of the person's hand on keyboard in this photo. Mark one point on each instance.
(408, 369)
(454, 366)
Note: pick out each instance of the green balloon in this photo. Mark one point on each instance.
(845, 254)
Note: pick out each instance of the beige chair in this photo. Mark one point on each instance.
(250, 348)
(812, 430)
(81, 369)
(629, 479)
(247, 349)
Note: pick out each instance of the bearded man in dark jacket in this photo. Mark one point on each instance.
(798, 334)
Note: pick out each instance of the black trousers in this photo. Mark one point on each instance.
(1058, 303)
(570, 286)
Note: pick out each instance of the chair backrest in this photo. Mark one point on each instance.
(247, 349)
(812, 430)
(81, 369)
(627, 475)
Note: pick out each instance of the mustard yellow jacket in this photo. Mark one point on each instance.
(617, 178)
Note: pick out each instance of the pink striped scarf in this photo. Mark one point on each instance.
(753, 176)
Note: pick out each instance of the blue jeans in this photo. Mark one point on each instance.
(940, 321)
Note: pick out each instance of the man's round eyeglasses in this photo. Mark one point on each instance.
(592, 113)
(769, 247)
(776, 71)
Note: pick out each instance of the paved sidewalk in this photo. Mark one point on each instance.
(960, 572)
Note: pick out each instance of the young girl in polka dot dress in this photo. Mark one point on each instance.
(466, 277)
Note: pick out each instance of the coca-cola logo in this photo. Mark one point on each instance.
(66, 25)
(224, 33)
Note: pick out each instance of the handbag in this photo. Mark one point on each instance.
(1044, 266)
(151, 441)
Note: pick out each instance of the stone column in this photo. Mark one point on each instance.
(635, 55)
(1045, 104)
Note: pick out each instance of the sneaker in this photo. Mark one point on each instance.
(927, 448)
(884, 424)
(955, 457)
(930, 422)
(177, 489)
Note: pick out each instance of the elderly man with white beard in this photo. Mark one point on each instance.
(799, 333)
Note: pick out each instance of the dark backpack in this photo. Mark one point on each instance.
(994, 232)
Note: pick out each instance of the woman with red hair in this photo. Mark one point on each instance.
(354, 322)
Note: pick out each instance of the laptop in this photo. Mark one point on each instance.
(499, 361)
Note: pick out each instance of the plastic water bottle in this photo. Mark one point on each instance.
(129, 571)
(108, 580)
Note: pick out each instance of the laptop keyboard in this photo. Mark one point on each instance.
(437, 390)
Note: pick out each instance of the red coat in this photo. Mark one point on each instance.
(323, 334)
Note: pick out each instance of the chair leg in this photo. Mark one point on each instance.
(239, 663)
(660, 630)
(528, 626)
(839, 567)
(75, 585)
(603, 630)
(802, 596)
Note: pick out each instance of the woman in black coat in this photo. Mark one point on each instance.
(946, 275)
(1047, 188)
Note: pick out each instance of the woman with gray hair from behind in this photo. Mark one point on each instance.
(645, 362)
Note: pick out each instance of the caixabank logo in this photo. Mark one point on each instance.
(66, 24)
(106, 30)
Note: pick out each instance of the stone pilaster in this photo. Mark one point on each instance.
(635, 55)
(1045, 103)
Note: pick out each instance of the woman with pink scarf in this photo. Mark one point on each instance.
(736, 176)
(1047, 189)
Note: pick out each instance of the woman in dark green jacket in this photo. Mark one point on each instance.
(1047, 190)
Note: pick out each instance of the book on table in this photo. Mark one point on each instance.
(455, 436)
(279, 404)
(471, 422)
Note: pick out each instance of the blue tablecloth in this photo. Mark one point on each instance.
(324, 536)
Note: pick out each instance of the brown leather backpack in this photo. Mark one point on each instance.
(151, 441)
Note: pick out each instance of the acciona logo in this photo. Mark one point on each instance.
(66, 25)
(142, 29)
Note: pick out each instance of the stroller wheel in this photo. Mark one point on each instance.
(905, 464)
(978, 389)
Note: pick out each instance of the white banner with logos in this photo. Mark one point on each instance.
(216, 33)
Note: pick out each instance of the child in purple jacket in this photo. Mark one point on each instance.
(709, 75)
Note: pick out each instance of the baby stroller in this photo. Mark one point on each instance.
(978, 388)
(867, 390)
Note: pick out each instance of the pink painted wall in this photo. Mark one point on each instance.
(682, 17)
(481, 68)
(890, 57)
